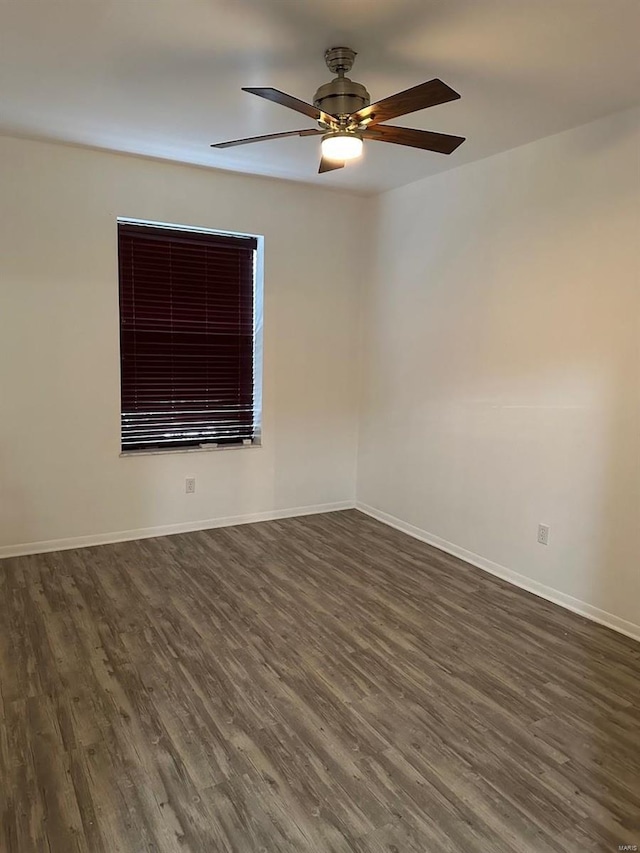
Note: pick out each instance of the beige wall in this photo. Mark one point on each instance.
(60, 472)
(502, 354)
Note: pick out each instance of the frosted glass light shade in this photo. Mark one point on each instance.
(341, 146)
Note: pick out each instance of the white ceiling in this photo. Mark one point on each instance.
(163, 77)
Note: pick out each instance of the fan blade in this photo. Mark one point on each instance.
(310, 132)
(303, 107)
(329, 165)
(418, 98)
(428, 140)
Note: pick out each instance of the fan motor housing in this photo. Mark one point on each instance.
(341, 97)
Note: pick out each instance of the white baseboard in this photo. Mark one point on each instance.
(623, 626)
(165, 530)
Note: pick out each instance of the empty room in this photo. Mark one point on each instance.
(319, 426)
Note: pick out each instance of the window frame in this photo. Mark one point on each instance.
(258, 341)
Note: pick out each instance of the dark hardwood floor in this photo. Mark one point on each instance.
(315, 684)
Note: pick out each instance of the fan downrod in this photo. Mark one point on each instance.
(339, 60)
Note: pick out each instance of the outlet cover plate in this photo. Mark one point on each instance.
(543, 534)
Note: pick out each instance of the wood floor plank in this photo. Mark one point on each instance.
(308, 685)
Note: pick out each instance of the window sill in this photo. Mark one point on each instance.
(168, 450)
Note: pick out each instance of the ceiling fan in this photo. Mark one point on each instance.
(346, 116)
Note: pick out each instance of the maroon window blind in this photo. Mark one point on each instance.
(186, 337)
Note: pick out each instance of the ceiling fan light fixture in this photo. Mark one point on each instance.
(341, 145)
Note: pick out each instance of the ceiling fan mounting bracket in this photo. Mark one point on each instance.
(339, 60)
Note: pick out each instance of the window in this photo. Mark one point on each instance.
(187, 337)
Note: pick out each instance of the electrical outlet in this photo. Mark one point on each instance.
(543, 534)
(190, 485)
